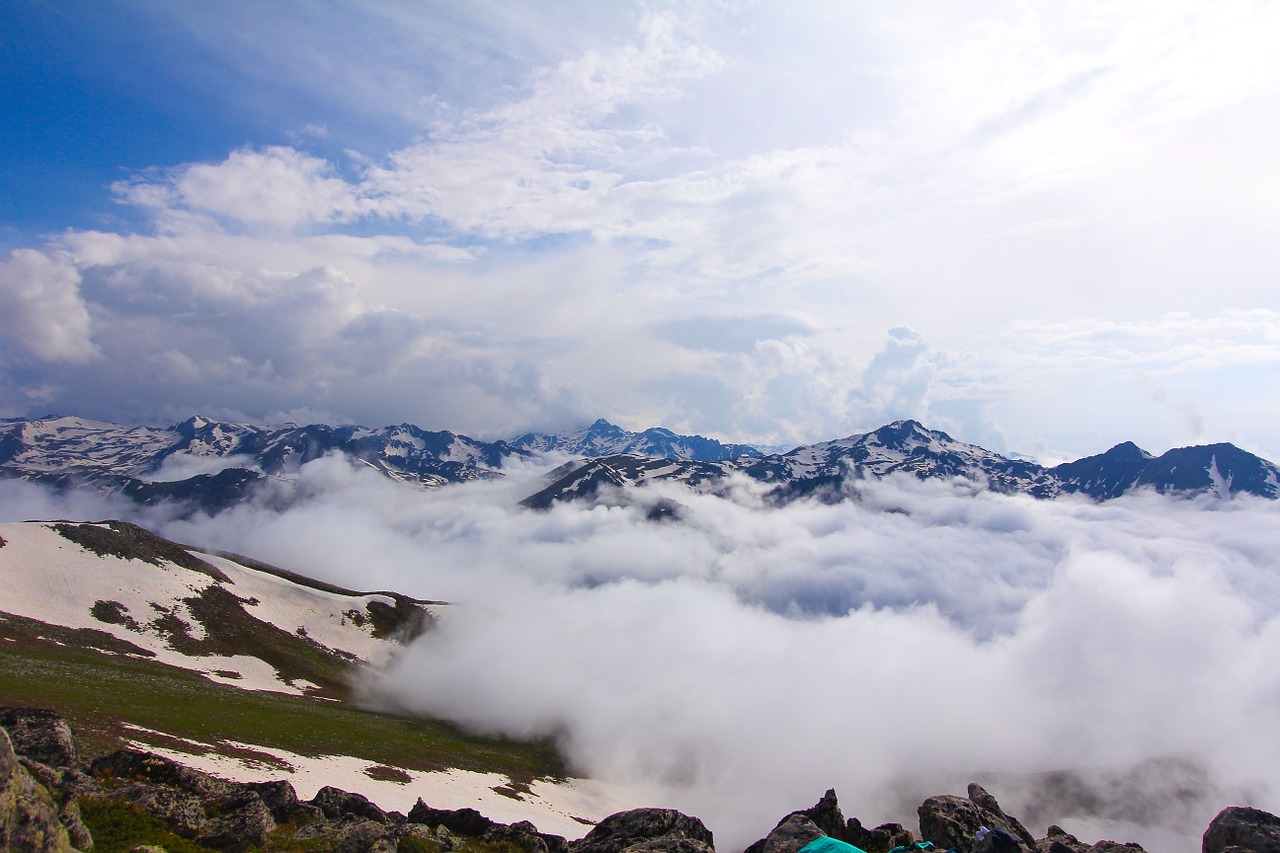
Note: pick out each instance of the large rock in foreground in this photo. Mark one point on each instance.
(950, 821)
(647, 831)
(1242, 829)
(28, 814)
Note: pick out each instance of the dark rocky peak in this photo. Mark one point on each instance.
(604, 427)
(906, 433)
(1222, 469)
(576, 482)
(1106, 475)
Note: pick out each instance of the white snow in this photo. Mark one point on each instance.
(1221, 484)
(51, 579)
(324, 616)
(567, 808)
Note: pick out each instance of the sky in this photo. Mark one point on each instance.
(1044, 228)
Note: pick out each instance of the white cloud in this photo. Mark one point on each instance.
(738, 662)
(276, 186)
(41, 309)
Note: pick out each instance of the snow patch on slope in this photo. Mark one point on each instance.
(564, 807)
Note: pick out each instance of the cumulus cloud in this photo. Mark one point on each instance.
(739, 661)
(673, 215)
(275, 186)
(41, 310)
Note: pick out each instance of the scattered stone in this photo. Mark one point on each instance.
(1247, 828)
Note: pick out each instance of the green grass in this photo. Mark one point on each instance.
(99, 692)
(118, 827)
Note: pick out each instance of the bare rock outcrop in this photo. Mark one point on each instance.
(28, 813)
(1240, 828)
(645, 831)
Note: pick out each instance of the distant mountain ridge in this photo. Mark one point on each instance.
(603, 439)
(825, 469)
(214, 465)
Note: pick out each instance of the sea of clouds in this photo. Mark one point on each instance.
(739, 660)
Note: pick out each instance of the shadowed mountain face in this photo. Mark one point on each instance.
(212, 465)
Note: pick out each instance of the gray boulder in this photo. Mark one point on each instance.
(881, 839)
(336, 803)
(1058, 840)
(795, 831)
(648, 830)
(238, 830)
(133, 765)
(1246, 828)
(28, 814)
(521, 835)
(468, 822)
(40, 735)
(281, 799)
(829, 820)
(950, 821)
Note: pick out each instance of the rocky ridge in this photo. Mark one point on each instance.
(212, 466)
(831, 470)
(51, 799)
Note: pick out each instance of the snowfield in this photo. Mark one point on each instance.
(569, 807)
(51, 579)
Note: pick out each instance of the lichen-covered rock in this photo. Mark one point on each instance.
(235, 831)
(467, 822)
(40, 735)
(280, 798)
(133, 765)
(950, 821)
(1058, 840)
(28, 814)
(335, 802)
(363, 836)
(655, 829)
(795, 831)
(521, 835)
(881, 839)
(1247, 828)
(181, 811)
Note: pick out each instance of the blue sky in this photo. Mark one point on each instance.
(1042, 227)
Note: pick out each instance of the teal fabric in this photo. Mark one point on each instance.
(827, 844)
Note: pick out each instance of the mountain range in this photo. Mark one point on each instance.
(212, 464)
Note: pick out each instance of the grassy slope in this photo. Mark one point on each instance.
(52, 668)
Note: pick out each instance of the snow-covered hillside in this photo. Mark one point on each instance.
(209, 614)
